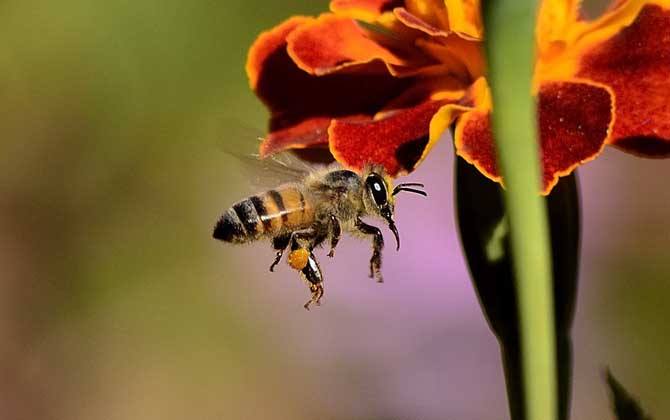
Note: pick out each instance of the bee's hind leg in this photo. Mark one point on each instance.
(301, 258)
(279, 243)
(377, 245)
(312, 275)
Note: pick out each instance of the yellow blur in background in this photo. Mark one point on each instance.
(116, 303)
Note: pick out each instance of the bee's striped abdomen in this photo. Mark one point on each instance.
(240, 223)
(265, 215)
(288, 208)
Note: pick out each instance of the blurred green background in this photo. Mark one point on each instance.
(116, 303)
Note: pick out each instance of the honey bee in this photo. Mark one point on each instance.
(316, 208)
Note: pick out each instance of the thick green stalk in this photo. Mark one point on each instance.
(509, 28)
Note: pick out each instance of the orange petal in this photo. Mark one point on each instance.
(396, 141)
(415, 22)
(464, 58)
(619, 15)
(555, 18)
(459, 103)
(434, 12)
(635, 63)
(465, 18)
(366, 10)
(332, 42)
(574, 122)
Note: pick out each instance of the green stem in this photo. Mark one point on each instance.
(509, 32)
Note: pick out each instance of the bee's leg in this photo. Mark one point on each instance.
(377, 245)
(302, 242)
(335, 233)
(314, 279)
(302, 239)
(279, 243)
(309, 238)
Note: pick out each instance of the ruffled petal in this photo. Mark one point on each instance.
(366, 10)
(396, 141)
(465, 18)
(463, 58)
(298, 100)
(473, 138)
(635, 63)
(619, 15)
(476, 96)
(415, 22)
(331, 42)
(575, 119)
(308, 133)
(267, 44)
(434, 12)
(554, 19)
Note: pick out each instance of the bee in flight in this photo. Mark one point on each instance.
(316, 208)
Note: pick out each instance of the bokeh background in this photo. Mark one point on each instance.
(115, 302)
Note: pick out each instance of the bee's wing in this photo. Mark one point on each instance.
(273, 170)
(264, 173)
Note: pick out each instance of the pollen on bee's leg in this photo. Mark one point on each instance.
(298, 258)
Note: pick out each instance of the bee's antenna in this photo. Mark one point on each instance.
(400, 188)
(410, 184)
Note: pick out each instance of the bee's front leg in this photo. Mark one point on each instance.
(377, 245)
(335, 233)
(311, 273)
(279, 244)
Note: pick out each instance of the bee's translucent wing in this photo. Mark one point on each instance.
(262, 173)
(276, 169)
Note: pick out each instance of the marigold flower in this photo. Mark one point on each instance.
(380, 80)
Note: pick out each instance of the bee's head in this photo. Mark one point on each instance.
(379, 196)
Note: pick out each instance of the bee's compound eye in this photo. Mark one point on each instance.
(375, 184)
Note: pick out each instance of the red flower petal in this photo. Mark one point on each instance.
(636, 64)
(574, 121)
(474, 142)
(396, 141)
(298, 101)
(332, 42)
(267, 44)
(310, 132)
